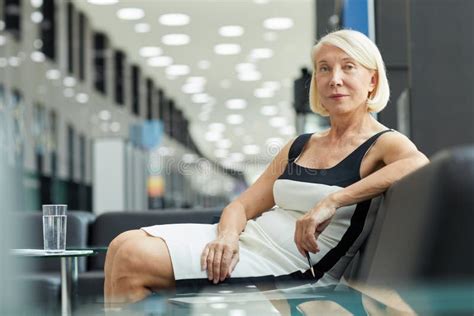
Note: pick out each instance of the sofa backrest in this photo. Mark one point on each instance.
(109, 225)
(423, 231)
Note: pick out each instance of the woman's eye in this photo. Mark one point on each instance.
(349, 67)
(323, 68)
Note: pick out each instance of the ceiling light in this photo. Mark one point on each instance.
(53, 74)
(68, 92)
(269, 110)
(150, 51)
(102, 2)
(217, 127)
(37, 17)
(160, 61)
(3, 40)
(245, 67)
(278, 23)
(270, 36)
(272, 85)
(261, 1)
(204, 64)
(69, 81)
(250, 76)
(287, 130)
(37, 43)
(251, 149)
(36, 3)
(37, 57)
(115, 127)
(175, 39)
(227, 49)
(14, 61)
(263, 93)
(196, 80)
(236, 104)
(278, 121)
(212, 136)
(142, 28)
(105, 115)
(231, 31)
(200, 98)
(190, 88)
(82, 97)
(221, 153)
(130, 14)
(177, 70)
(234, 119)
(224, 143)
(237, 157)
(174, 19)
(261, 53)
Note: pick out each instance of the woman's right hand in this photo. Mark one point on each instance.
(220, 257)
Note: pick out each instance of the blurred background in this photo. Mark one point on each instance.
(110, 105)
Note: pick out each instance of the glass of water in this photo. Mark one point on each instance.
(54, 227)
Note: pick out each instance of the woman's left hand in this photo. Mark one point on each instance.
(310, 225)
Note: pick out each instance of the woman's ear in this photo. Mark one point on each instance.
(373, 81)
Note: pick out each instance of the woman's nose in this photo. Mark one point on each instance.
(336, 79)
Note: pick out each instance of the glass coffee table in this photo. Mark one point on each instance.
(69, 269)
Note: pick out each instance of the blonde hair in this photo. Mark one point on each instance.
(365, 52)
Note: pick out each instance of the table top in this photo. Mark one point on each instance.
(40, 253)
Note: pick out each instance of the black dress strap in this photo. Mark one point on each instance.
(360, 152)
(297, 146)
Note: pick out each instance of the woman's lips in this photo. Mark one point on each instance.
(337, 96)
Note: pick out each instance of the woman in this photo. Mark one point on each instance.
(317, 192)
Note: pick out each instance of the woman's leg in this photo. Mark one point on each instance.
(141, 264)
(112, 250)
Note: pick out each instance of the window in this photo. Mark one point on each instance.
(135, 90)
(100, 65)
(48, 29)
(119, 60)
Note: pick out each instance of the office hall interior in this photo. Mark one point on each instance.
(136, 113)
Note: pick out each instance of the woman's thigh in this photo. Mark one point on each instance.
(146, 259)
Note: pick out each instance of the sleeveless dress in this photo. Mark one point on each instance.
(268, 253)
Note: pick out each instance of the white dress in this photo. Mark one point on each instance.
(267, 248)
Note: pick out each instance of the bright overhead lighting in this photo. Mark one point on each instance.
(278, 121)
(237, 157)
(278, 23)
(251, 149)
(102, 2)
(191, 88)
(69, 81)
(115, 127)
(231, 31)
(160, 61)
(14, 61)
(150, 51)
(3, 40)
(175, 39)
(200, 98)
(204, 64)
(250, 76)
(36, 3)
(212, 137)
(36, 17)
(261, 53)
(105, 115)
(224, 143)
(130, 14)
(82, 97)
(196, 80)
(245, 67)
(53, 74)
(37, 57)
(177, 70)
(269, 110)
(287, 130)
(142, 28)
(261, 1)
(263, 93)
(272, 85)
(236, 104)
(227, 49)
(174, 19)
(217, 127)
(234, 119)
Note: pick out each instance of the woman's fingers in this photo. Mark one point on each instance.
(225, 263)
(233, 263)
(216, 264)
(210, 265)
(204, 255)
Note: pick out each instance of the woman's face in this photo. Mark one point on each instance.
(343, 84)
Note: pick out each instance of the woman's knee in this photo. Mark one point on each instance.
(118, 241)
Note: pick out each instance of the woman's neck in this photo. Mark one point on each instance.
(343, 127)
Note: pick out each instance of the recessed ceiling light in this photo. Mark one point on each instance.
(272, 85)
(278, 23)
(278, 121)
(14, 61)
(261, 53)
(105, 115)
(82, 97)
(234, 119)
(237, 157)
(227, 49)
(37, 43)
(175, 39)
(160, 61)
(36, 17)
(191, 88)
(245, 67)
(142, 28)
(115, 127)
(250, 76)
(204, 64)
(224, 143)
(251, 149)
(196, 80)
(269, 110)
(200, 98)
(37, 57)
(261, 1)
(217, 127)
(236, 104)
(287, 130)
(174, 19)
(231, 31)
(69, 81)
(263, 93)
(177, 70)
(150, 51)
(130, 14)
(36, 3)
(53, 74)
(102, 2)
(212, 136)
